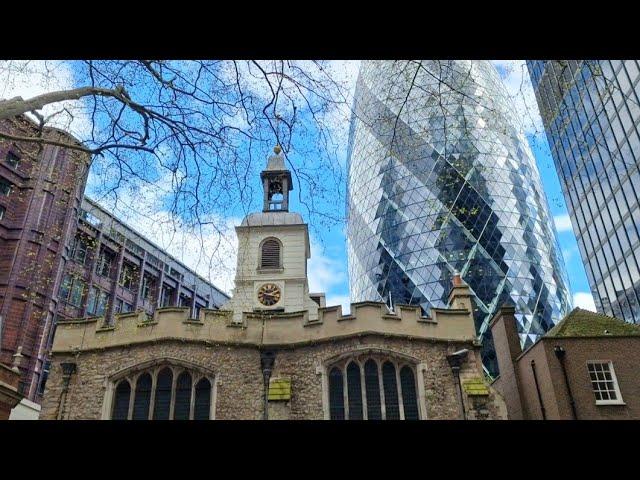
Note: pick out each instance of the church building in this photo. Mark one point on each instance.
(274, 350)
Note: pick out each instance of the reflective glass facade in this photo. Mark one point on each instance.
(591, 113)
(441, 178)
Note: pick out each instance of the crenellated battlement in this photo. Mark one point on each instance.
(265, 327)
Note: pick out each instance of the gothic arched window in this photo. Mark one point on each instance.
(409, 400)
(390, 391)
(202, 404)
(354, 390)
(162, 392)
(163, 395)
(270, 255)
(372, 388)
(142, 400)
(336, 394)
(377, 388)
(183, 397)
(121, 401)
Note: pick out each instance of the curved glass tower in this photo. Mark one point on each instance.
(441, 178)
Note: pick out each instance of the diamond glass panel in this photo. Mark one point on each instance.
(441, 178)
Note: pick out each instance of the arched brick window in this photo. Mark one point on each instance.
(162, 392)
(372, 386)
(270, 253)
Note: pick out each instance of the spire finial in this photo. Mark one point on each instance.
(277, 149)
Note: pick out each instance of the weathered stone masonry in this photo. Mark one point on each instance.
(232, 353)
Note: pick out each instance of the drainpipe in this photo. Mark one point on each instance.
(560, 354)
(267, 359)
(535, 380)
(455, 362)
(68, 369)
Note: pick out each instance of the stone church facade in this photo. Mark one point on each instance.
(275, 350)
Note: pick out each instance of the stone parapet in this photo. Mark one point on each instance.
(265, 328)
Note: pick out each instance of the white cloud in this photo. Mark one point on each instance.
(343, 300)
(563, 223)
(324, 271)
(515, 77)
(29, 78)
(584, 300)
(209, 249)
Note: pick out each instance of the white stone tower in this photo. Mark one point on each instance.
(273, 249)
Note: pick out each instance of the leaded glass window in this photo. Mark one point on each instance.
(161, 393)
(202, 404)
(390, 391)
(142, 400)
(409, 400)
(336, 394)
(372, 387)
(121, 401)
(355, 392)
(183, 397)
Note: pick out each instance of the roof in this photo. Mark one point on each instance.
(583, 323)
(275, 162)
(262, 219)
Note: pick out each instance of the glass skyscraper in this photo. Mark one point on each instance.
(441, 178)
(591, 114)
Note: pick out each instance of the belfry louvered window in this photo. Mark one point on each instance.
(163, 393)
(372, 387)
(270, 254)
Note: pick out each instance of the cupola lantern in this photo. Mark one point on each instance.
(277, 183)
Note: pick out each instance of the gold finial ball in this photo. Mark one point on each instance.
(277, 149)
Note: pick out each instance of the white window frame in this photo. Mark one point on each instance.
(614, 379)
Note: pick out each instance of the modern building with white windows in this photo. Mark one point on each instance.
(591, 114)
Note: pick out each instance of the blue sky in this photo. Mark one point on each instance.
(143, 208)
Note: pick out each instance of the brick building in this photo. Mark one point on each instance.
(585, 368)
(275, 350)
(62, 256)
(41, 188)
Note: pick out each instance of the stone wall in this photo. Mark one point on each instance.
(239, 383)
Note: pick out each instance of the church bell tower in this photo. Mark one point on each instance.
(276, 183)
(273, 249)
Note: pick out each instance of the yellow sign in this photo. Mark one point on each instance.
(475, 386)
(280, 389)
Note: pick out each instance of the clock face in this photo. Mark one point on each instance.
(269, 294)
